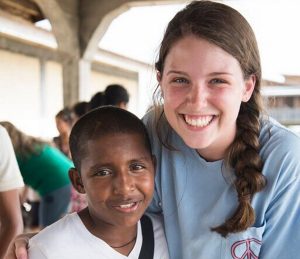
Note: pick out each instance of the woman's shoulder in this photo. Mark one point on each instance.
(150, 117)
(277, 135)
(279, 149)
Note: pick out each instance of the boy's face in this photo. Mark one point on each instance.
(118, 177)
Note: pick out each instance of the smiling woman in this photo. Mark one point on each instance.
(201, 86)
(224, 167)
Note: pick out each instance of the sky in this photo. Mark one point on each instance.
(137, 33)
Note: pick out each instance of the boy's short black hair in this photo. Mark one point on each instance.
(100, 122)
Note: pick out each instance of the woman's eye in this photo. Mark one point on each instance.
(180, 80)
(217, 81)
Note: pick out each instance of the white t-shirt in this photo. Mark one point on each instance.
(68, 238)
(10, 176)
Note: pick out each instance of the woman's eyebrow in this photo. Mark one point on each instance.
(220, 73)
(176, 72)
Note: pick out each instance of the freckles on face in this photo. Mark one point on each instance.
(203, 87)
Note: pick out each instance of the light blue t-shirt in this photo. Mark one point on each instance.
(195, 195)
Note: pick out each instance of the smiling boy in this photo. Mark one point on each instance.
(114, 166)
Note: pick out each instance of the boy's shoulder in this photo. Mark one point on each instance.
(65, 234)
(60, 229)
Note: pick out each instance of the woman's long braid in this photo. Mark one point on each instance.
(243, 157)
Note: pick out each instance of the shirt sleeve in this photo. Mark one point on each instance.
(10, 176)
(281, 237)
(282, 234)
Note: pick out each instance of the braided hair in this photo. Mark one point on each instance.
(226, 28)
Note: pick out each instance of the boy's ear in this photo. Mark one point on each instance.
(76, 181)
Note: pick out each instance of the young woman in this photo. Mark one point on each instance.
(227, 178)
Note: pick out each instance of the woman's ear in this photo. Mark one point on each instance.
(76, 180)
(249, 88)
(158, 76)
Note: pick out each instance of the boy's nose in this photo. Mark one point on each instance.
(123, 184)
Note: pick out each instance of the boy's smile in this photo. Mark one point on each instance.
(118, 177)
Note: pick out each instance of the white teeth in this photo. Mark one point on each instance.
(124, 206)
(198, 122)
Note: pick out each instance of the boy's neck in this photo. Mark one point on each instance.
(121, 239)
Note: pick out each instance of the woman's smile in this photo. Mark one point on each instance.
(198, 121)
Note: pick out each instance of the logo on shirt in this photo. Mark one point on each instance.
(246, 249)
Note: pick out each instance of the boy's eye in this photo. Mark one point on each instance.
(103, 172)
(136, 167)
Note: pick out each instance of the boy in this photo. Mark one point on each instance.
(114, 166)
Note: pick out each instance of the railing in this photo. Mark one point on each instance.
(285, 115)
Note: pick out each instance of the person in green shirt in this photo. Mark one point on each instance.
(45, 169)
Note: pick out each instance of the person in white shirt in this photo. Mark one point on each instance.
(11, 223)
(114, 166)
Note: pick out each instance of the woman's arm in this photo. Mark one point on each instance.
(11, 223)
(18, 247)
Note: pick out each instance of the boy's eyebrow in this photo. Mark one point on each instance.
(96, 166)
(142, 158)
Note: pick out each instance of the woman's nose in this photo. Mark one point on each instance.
(198, 95)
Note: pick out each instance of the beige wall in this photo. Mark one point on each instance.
(21, 93)
(31, 90)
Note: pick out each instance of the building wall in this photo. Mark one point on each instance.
(31, 90)
(30, 96)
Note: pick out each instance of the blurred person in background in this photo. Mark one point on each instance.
(11, 223)
(65, 119)
(45, 169)
(79, 109)
(64, 122)
(114, 94)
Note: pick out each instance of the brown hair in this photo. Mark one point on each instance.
(228, 29)
(23, 144)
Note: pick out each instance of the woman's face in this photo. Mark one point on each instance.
(203, 87)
